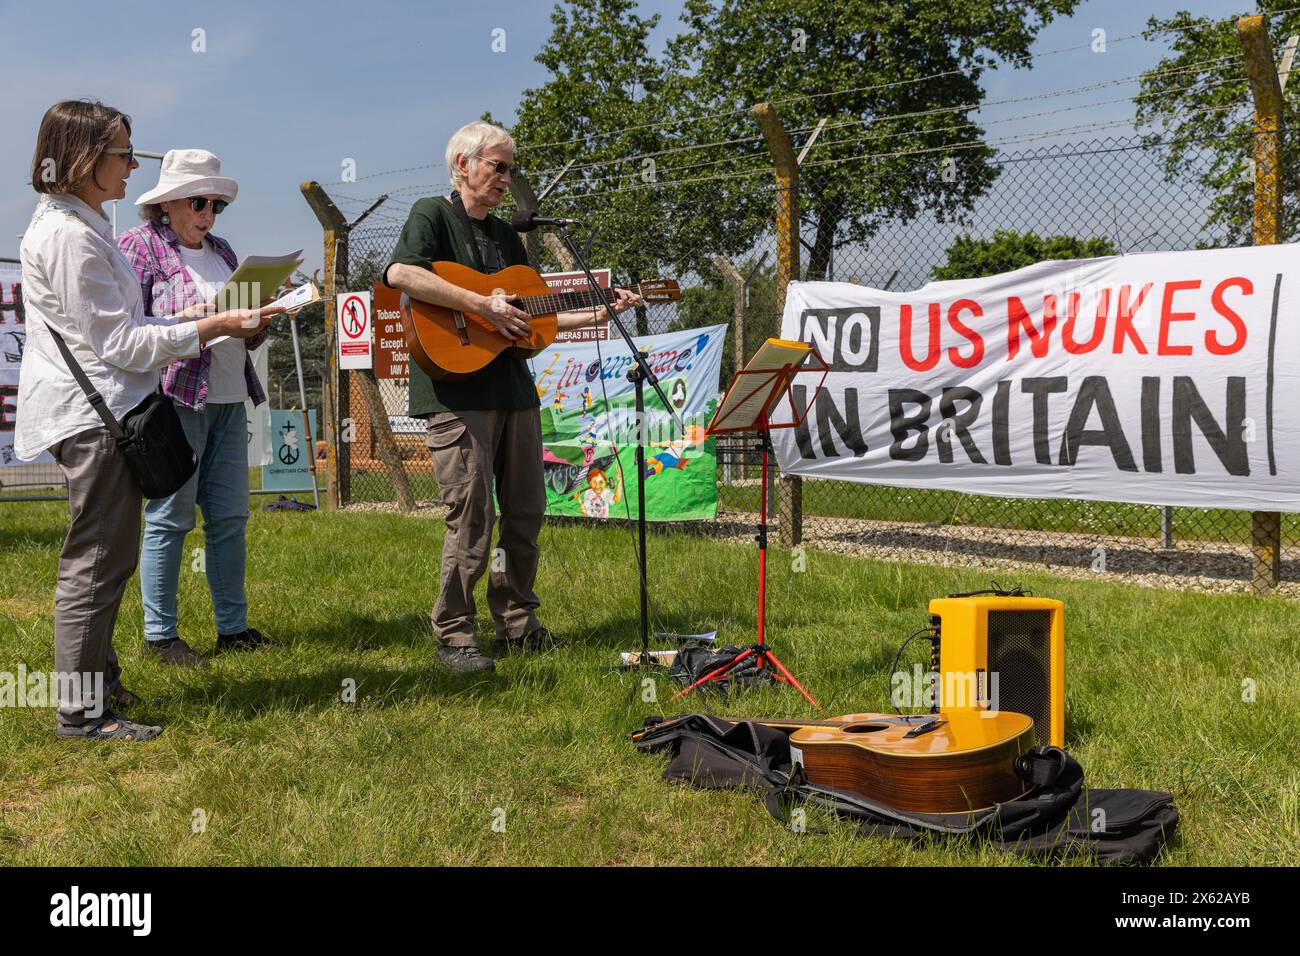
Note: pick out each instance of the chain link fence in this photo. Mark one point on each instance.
(1099, 197)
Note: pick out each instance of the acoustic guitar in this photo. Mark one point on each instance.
(450, 345)
(955, 762)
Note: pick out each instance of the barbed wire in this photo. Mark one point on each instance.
(524, 147)
(944, 148)
(1031, 136)
(766, 168)
(1145, 35)
(1199, 66)
(822, 145)
(918, 134)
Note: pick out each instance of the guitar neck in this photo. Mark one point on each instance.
(561, 302)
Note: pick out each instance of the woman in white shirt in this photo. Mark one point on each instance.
(181, 266)
(76, 283)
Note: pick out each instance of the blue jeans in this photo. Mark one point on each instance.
(219, 436)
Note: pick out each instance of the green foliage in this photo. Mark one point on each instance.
(884, 153)
(1195, 107)
(662, 206)
(282, 375)
(604, 78)
(713, 302)
(1009, 250)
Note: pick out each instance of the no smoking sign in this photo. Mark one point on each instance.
(354, 330)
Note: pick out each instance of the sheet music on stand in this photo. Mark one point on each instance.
(759, 389)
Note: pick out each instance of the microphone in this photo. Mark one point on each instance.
(526, 220)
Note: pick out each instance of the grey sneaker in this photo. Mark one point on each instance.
(464, 660)
(175, 652)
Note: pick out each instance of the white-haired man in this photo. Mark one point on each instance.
(484, 433)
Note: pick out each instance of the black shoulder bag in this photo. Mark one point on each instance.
(149, 436)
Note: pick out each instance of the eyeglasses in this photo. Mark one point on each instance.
(128, 151)
(502, 168)
(200, 203)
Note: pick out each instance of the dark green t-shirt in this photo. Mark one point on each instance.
(434, 233)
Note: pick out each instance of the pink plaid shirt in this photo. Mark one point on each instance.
(154, 255)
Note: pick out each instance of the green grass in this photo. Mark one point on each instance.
(412, 772)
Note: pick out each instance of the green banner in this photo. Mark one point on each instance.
(589, 426)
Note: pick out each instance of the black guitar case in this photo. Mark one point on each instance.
(1059, 817)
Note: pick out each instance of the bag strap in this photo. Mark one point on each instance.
(96, 400)
(458, 206)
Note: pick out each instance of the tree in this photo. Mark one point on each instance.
(712, 302)
(1191, 94)
(1009, 250)
(849, 62)
(605, 106)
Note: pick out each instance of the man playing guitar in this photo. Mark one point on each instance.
(483, 431)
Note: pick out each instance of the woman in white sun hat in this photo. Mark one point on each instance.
(181, 266)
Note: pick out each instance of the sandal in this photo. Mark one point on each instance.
(109, 727)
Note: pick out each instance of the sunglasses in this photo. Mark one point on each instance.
(200, 203)
(502, 168)
(128, 151)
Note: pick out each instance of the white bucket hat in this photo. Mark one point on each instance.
(190, 172)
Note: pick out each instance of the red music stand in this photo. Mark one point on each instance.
(748, 406)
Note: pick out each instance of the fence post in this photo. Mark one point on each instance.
(737, 282)
(526, 198)
(336, 275)
(1266, 91)
(335, 230)
(785, 166)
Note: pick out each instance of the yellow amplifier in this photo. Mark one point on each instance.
(1001, 652)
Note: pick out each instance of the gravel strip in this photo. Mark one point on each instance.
(1212, 566)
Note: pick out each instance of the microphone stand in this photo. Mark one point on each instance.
(638, 375)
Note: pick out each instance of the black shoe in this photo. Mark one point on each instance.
(122, 699)
(250, 640)
(538, 639)
(176, 652)
(465, 659)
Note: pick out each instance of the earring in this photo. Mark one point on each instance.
(165, 219)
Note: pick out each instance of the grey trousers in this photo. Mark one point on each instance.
(473, 453)
(98, 558)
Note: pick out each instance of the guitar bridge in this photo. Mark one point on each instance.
(460, 326)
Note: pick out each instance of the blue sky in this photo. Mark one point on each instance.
(286, 92)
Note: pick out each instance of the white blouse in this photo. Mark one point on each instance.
(77, 282)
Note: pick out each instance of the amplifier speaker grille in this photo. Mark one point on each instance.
(1019, 652)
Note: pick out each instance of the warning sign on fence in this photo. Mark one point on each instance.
(354, 329)
(392, 360)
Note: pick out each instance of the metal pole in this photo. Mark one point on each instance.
(306, 418)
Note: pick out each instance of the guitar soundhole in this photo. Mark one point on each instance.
(864, 728)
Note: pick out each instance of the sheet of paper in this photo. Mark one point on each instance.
(256, 277)
(299, 297)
